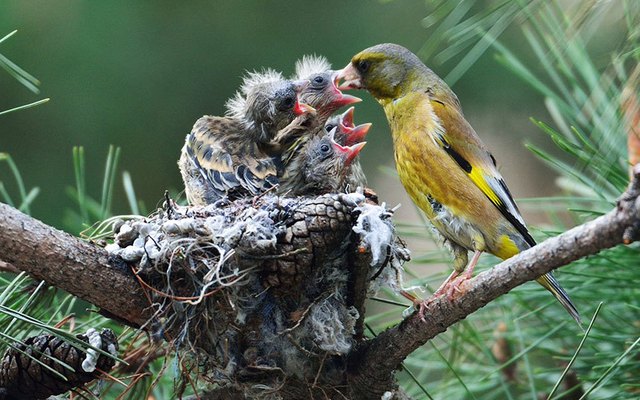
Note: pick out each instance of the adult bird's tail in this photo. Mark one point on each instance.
(551, 284)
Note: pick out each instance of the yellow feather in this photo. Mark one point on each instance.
(477, 177)
(507, 248)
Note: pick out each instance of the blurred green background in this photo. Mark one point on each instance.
(137, 75)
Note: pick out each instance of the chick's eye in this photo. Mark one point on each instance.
(363, 65)
(329, 127)
(288, 102)
(318, 80)
(325, 148)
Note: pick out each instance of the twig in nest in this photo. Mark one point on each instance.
(306, 312)
(224, 256)
(309, 353)
(276, 256)
(222, 286)
(168, 207)
(324, 357)
(384, 264)
(266, 368)
(261, 195)
(181, 298)
(154, 242)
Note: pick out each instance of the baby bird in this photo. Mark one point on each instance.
(323, 166)
(267, 103)
(347, 134)
(442, 163)
(325, 97)
(322, 92)
(226, 157)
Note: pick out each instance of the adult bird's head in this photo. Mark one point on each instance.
(388, 71)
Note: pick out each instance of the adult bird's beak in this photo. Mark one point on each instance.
(342, 99)
(351, 78)
(357, 134)
(348, 152)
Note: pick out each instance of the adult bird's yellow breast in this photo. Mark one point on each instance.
(431, 176)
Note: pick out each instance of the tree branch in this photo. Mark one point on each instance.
(66, 262)
(372, 364)
(87, 271)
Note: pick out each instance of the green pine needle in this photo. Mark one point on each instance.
(79, 171)
(25, 106)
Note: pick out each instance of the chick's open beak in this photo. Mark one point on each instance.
(346, 118)
(351, 78)
(303, 108)
(348, 152)
(357, 134)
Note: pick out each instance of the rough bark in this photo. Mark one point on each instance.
(66, 262)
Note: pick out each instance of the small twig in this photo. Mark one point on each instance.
(306, 312)
(383, 265)
(168, 207)
(275, 256)
(179, 298)
(299, 347)
(315, 381)
(259, 197)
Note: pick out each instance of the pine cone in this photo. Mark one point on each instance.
(21, 377)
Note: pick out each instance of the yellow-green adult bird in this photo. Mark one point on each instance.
(442, 163)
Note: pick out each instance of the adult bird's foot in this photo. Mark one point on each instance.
(456, 287)
(423, 305)
(418, 304)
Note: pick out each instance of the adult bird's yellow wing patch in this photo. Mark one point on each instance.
(461, 142)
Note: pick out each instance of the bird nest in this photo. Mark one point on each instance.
(266, 285)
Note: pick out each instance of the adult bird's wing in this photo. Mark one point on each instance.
(461, 142)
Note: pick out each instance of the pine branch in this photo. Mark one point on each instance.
(85, 270)
(66, 262)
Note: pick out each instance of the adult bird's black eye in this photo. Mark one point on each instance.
(325, 148)
(319, 80)
(363, 65)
